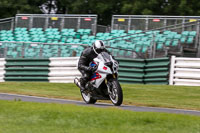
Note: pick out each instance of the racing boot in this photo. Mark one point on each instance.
(82, 85)
(89, 86)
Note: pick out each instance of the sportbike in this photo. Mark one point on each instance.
(103, 84)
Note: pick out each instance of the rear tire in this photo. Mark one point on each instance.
(87, 98)
(117, 95)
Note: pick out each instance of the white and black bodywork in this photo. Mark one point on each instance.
(104, 84)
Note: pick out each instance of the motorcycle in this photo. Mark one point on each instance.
(103, 84)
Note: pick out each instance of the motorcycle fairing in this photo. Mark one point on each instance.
(99, 81)
(95, 76)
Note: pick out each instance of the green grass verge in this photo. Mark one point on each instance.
(27, 117)
(143, 95)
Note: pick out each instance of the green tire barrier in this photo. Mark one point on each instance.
(144, 71)
(63, 70)
(59, 70)
(27, 69)
(131, 71)
(156, 71)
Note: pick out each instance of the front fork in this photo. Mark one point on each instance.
(109, 84)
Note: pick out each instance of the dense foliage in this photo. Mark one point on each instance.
(104, 8)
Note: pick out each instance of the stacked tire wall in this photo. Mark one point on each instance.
(60, 70)
(64, 70)
(144, 71)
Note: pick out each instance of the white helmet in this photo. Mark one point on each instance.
(98, 46)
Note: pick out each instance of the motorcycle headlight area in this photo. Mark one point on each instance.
(109, 64)
(115, 66)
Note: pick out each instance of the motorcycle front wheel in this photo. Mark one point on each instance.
(87, 98)
(116, 95)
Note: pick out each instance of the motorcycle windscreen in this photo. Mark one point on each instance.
(106, 57)
(98, 78)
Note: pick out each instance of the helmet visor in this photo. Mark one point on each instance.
(99, 50)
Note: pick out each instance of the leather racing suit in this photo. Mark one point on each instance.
(86, 57)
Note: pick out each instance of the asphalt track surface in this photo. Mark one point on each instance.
(12, 97)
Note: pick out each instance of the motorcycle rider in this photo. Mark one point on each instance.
(86, 57)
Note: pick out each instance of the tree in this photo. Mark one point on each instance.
(10, 8)
(104, 8)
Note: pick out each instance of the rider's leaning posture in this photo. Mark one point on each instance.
(86, 57)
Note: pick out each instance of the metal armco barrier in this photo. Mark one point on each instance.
(63, 70)
(185, 71)
(2, 69)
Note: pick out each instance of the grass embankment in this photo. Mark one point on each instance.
(143, 95)
(23, 117)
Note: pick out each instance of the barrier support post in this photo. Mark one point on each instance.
(172, 66)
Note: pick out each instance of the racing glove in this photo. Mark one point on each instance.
(92, 69)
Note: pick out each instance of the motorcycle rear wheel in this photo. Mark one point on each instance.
(117, 95)
(87, 98)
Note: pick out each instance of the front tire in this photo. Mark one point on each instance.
(87, 98)
(116, 95)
